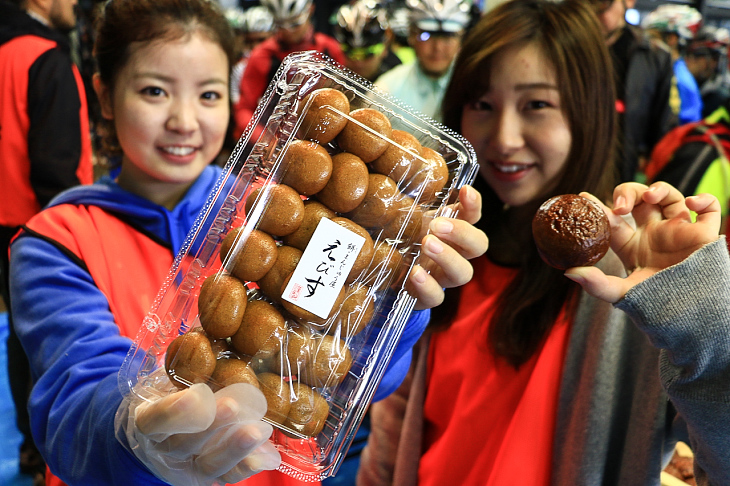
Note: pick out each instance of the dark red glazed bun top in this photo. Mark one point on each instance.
(571, 231)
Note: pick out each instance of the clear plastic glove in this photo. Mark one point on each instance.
(197, 437)
(663, 235)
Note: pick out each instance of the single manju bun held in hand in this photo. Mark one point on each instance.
(571, 231)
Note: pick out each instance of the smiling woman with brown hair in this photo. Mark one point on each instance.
(529, 377)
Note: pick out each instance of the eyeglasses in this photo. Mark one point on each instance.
(292, 22)
(362, 53)
(436, 25)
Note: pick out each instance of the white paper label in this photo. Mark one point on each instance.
(325, 264)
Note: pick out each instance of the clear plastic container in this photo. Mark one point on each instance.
(292, 277)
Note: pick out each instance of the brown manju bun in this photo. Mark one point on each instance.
(255, 257)
(328, 361)
(430, 178)
(307, 167)
(355, 313)
(366, 252)
(406, 222)
(190, 359)
(221, 304)
(261, 332)
(295, 351)
(571, 231)
(278, 396)
(272, 283)
(316, 359)
(378, 206)
(387, 258)
(400, 159)
(314, 211)
(322, 122)
(361, 141)
(233, 370)
(308, 412)
(348, 184)
(283, 209)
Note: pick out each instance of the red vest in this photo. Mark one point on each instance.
(18, 202)
(129, 268)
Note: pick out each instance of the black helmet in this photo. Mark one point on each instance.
(361, 24)
(710, 40)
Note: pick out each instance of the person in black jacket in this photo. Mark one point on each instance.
(45, 147)
(707, 61)
(647, 97)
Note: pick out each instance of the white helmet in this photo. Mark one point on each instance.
(258, 19)
(398, 21)
(682, 20)
(286, 9)
(236, 18)
(439, 15)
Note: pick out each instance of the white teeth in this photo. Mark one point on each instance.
(510, 168)
(180, 151)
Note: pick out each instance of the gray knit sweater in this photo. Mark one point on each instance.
(629, 391)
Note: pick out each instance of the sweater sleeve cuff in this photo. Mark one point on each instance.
(685, 309)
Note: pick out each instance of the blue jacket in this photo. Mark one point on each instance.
(690, 100)
(68, 329)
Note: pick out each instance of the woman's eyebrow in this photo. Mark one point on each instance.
(172, 79)
(538, 85)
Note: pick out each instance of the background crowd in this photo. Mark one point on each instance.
(669, 67)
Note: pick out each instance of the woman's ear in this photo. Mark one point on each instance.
(103, 93)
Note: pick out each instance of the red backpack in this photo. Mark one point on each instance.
(714, 135)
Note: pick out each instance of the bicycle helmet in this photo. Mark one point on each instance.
(710, 40)
(236, 18)
(258, 19)
(361, 24)
(439, 15)
(682, 20)
(286, 9)
(398, 22)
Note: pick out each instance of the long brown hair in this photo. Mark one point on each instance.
(569, 35)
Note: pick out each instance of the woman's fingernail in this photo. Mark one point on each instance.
(418, 274)
(442, 226)
(575, 277)
(434, 245)
(620, 202)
